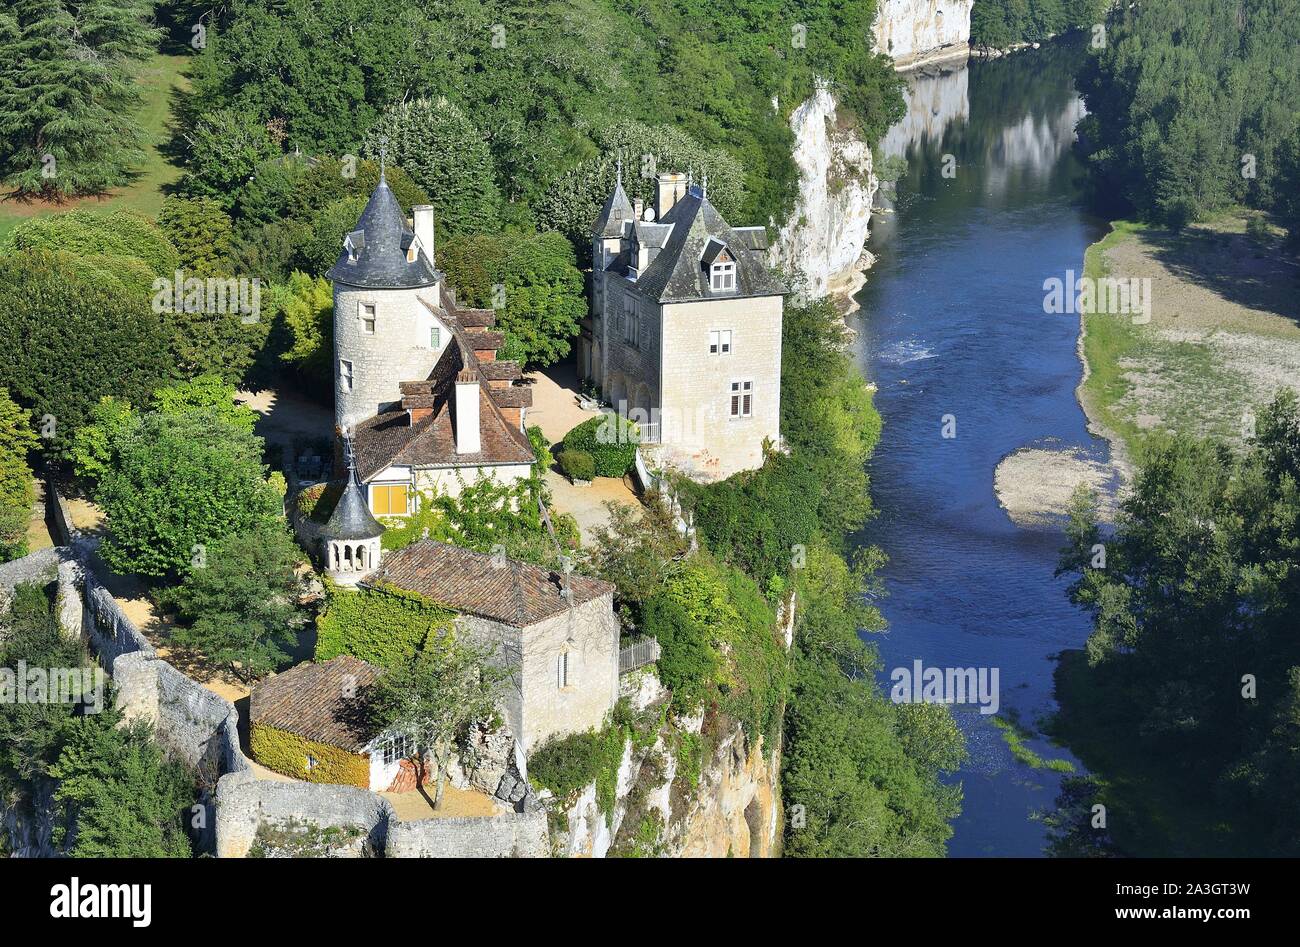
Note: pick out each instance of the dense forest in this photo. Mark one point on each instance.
(1193, 108)
(999, 24)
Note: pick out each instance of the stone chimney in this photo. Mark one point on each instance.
(467, 413)
(672, 188)
(422, 224)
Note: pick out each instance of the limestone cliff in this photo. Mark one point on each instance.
(915, 31)
(825, 239)
(721, 799)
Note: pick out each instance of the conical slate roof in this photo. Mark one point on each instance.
(351, 518)
(617, 209)
(379, 245)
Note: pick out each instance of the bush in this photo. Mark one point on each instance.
(609, 439)
(565, 765)
(181, 483)
(578, 464)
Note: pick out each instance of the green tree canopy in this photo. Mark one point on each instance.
(438, 146)
(71, 337)
(17, 440)
(182, 483)
(238, 607)
(540, 303)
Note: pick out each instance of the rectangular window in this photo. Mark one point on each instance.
(397, 749)
(742, 399)
(631, 324)
(435, 337)
(562, 669)
(388, 499)
(720, 342)
(345, 375)
(368, 318)
(723, 276)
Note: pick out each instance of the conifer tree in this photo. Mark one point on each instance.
(67, 95)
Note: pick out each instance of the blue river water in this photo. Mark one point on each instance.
(952, 323)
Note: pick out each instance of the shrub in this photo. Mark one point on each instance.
(578, 464)
(181, 482)
(566, 765)
(16, 493)
(609, 439)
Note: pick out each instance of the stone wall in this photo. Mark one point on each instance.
(522, 835)
(246, 803)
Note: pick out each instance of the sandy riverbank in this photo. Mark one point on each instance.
(1223, 339)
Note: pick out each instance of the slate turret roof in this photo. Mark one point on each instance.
(380, 244)
(683, 242)
(351, 518)
(617, 210)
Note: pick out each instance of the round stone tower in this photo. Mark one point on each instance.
(384, 333)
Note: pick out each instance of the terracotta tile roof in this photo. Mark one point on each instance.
(504, 370)
(317, 702)
(517, 594)
(390, 438)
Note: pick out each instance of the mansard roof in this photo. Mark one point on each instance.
(678, 272)
(379, 247)
(514, 593)
(617, 210)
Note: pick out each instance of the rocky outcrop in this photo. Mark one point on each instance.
(918, 31)
(667, 807)
(824, 242)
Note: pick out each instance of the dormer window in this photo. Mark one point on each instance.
(722, 277)
(717, 259)
(354, 243)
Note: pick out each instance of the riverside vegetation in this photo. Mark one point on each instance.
(1183, 703)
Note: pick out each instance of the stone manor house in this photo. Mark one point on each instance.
(685, 328)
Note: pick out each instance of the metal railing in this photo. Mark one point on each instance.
(639, 653)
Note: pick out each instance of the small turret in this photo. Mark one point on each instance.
(350, 540)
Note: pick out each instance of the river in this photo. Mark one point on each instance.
(952, 324)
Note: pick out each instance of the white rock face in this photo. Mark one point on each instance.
(911, 30)
(827, 232)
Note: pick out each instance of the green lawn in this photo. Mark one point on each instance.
(1109, 339)
(158, 79)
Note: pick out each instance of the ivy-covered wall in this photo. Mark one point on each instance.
(287, 753)
(384, 626)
